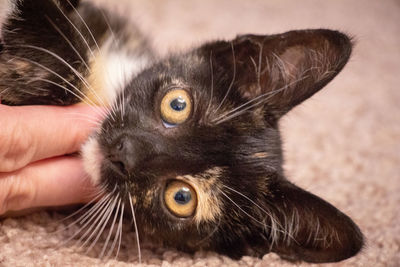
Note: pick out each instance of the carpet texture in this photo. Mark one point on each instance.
(343, 144)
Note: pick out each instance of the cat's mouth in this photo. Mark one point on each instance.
(117, 167)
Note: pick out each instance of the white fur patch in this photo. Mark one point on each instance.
(112, 69)
(120, 69)
(92, 159)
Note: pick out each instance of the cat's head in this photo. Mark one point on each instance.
(191, 144)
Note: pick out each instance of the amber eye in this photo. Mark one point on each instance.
(180, 198)
(176, 106)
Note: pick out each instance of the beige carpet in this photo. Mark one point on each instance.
(343, 144)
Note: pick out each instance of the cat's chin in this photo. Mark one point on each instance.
(92, 158)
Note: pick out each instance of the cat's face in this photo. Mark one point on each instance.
(171, 148)
(191, 144)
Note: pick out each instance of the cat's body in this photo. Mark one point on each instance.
(191, 143)
(91, 46)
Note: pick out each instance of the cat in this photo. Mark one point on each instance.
(190, 144)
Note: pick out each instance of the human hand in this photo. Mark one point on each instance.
(36, 168)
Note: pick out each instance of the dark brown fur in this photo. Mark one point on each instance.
(229, 148)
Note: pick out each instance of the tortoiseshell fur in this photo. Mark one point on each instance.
(229, 148)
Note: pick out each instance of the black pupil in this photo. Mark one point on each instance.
(178, 104)
(183, 196)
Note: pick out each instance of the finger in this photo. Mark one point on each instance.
(51, 182)
(31, 133)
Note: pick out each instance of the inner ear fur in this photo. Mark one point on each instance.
(309, 228)
(286, 68)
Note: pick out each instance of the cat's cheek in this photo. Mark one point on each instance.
(92, 159)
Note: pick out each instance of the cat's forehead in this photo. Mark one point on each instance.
(181, 68)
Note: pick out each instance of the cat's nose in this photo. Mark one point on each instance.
(125, 154)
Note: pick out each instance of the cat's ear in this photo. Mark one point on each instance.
(308, 228)
(281, 70)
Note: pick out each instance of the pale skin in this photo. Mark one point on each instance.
(38, 167)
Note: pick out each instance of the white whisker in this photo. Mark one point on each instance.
(275, 226)
(115, 236)
(96, 223)
(272, 227)
(136, 229)
(109, 27)
(95, 42)
(92, 209)
(261, 99)
(85, 100)
(111, 229)
(254, 203)
(86, 117)
(87, 27)
(83, 217)
(109, 213)
(102, 112)
(81, 209)
(77, 73)
(115, 41)
(216, 228)
(105, 198)
(259, 65)
(120, 229)
(84, 40)
(68, 42)
(93, 213)
(242, 210)
(212, 84)
(232, 82)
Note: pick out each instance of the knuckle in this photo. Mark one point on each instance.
(18, 193)
(17, 148)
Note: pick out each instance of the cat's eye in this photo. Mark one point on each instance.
(176, 107)
(180, 198)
